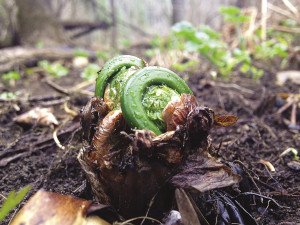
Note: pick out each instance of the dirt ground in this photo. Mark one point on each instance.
(28, 154)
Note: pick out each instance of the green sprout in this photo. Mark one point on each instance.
(8, 96)
(81, 53)
(12, 75)
(155, 100)
(233, 14)
(90, 72)
(12, 200)
(293, 151)
(54, 69)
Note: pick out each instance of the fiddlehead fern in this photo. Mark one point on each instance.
(149, 90)
(141, 93)
(111, 69)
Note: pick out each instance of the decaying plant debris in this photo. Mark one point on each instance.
(52, 208)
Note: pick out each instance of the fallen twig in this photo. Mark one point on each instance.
(69, 111)
(55, 138)
(56, 87)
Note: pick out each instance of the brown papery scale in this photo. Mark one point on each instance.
(136, 170)
(176, 112)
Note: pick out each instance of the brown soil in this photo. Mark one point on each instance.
(258, 134)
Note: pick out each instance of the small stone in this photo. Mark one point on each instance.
(294, 165)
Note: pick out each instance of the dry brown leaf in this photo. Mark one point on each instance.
(225, 120)
(40, 116)
(187, 211)
(177, 110)
(204, 173)
(47, 208)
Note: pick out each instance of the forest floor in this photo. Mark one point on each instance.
(28, 154)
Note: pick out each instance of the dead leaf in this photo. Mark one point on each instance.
(186, 208)
(177, 110)
(40, 116)
(225, 120)
(47, 208)
(292, 75)
(204, 173)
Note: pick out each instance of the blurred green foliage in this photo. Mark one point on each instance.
(102, 55)
(90, 72)
(7, 96)
(54, 69)
(233, 14)
(184, 66)
(209, 44)
(12, 200)
(226, 57)
(81, 53)
(12, 75)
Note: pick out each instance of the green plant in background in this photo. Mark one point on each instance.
(12, 200)
(208, 43)
(81, 53)
(12, 75)
(126, 43)
(270, 49)
(7, 96)
(227, 59)
(159, 44)
(90, 72)
(184, 66)
(102, 55)
(276, 46)
(233, 15)
(54, 69)
(40, 44)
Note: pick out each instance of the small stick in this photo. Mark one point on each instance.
(285, 106)
(280, 11)
(264, 12)
(249, 32)
(267, 164)
(139, 218)
(290, 6)
(82, 85)
(235, 86)
(286, 29)
(69, 111)
(294, 114)
(88, 93)
(55, 138)
(2, 196)
(56, 87)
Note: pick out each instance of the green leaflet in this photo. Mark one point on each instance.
(141, 92)
(155, 100)
(143, 89)
(116, 86)
(12, 200)
(112, 67)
